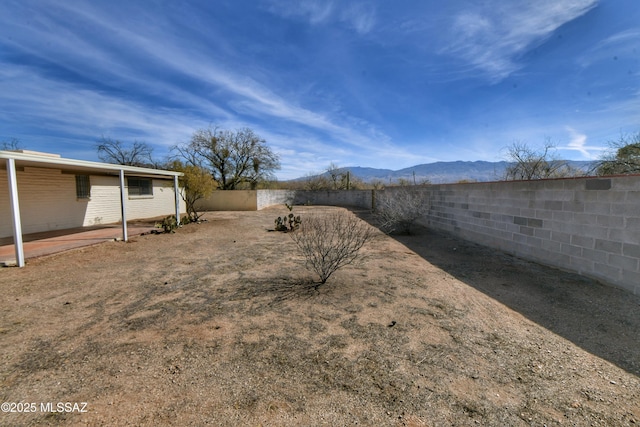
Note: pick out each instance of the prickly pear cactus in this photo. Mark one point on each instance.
(288, 223)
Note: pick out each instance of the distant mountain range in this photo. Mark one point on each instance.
(441, 172)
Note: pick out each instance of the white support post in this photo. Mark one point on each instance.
(15, 212)
(123, 207)
(176, 189)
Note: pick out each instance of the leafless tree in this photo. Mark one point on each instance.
(333, 178)
(233, 157)
(117, 152)
(377, 184)
(527, 163)
(316, 182)
(338, 177)
(11, 145)
(330, 242)
(399, 208)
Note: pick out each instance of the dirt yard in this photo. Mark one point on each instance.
(219, 324)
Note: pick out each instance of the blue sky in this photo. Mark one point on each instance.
(386, 84)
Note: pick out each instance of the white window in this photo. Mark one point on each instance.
(140, 186)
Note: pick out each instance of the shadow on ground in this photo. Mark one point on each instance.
(601, 319)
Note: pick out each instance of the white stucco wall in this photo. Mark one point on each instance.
(229, 200)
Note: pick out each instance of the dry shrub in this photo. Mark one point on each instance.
(330, 242)
(398, 209)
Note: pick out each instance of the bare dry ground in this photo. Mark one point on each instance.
(218, 324)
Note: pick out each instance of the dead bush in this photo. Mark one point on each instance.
(330, 242)
(398, 209)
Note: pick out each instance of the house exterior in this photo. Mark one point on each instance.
(43, 192)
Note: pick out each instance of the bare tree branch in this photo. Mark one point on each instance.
(330, 242)
(399, 208)
(116, 152)
(527, 163)
(234, 158)
(11, 145)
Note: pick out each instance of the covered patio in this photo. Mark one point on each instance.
(36, 244)
(51, 242)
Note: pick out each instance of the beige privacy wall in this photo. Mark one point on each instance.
(587, 225)
(251, 200)
(229, 200)
(48, 201)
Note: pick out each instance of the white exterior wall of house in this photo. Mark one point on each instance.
(104, 204)
(161, 203)
(48, 201)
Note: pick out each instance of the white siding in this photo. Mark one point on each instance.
(48, 201)
(161, 203)
(104, 204)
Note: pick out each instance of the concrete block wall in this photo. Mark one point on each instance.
(362, 199)
(251, 200)
(587, 225)
(268, 198)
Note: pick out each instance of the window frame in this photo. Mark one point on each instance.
(136, 190)
(83, 187)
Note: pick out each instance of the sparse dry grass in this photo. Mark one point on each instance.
(219, 324)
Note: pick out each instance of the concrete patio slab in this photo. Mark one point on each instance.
(50, 242)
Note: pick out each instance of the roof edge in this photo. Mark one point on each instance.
(64, 162)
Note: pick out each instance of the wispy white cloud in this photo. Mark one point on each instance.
(64, 108)
(578, 142)
(358, 16)
(94, 61)
(317, 12)
(617, 46)
(305, 152)
(248, 95)
(492, 37)
(339, 81)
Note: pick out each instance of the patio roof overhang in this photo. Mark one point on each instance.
(13, 160)
(24, 158)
